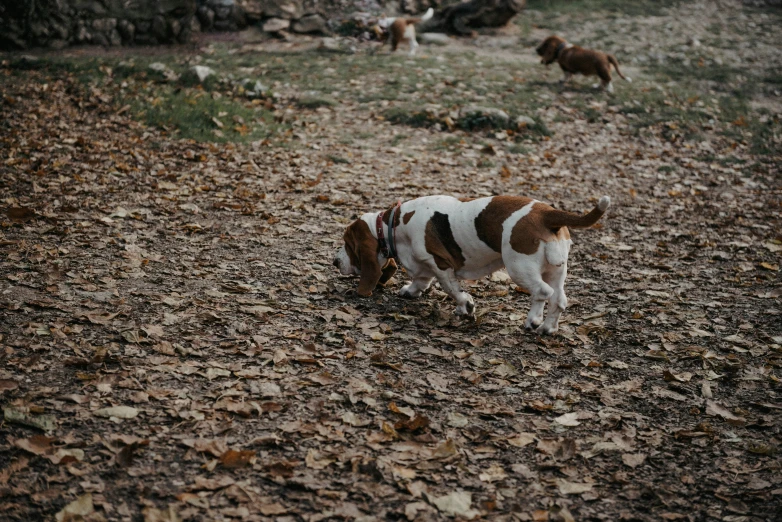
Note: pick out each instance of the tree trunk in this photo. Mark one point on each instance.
(461, 19)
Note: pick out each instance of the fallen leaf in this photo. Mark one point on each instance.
(633, 460)
(77, 510)
(573, 488)
(233, 459)
(117, 412)
(568, 419)
(522, 439)
(456, 504)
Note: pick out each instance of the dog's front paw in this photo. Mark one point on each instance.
(532, 323)
(467, 308)
(408, 292)
(546, 329)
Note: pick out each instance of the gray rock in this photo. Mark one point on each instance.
(273, 25)
(39, 29)
(252, 9)
(524, 121)
(195, 24)
(223, 12)
(99, 39)
(126, 30)
(329, 44)
(202, 72)
(161, 71)
(175, 27)
(313, 23)
(434, 39)
(143, 26)
(206, 16)
(288, 9)
(490, 112)
(60, 31)
(185, 34)
(114, 38)
(82, 34)
(104, 25)
(160, 28)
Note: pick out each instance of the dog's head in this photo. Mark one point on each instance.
(360, 256)
(548, 49)
(380, 33)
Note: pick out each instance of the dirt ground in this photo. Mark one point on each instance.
(175, 344)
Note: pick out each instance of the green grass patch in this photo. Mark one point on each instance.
(198, 115)
(338, 159)
(315, 102)
(411, 117)
(518, 148)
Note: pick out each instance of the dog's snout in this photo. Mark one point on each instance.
(336, 262)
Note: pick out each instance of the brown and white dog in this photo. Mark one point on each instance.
(577, 60)
(448, 239)
(403, 30)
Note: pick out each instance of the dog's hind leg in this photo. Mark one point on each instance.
(410, 36)
(557, 302)
(413, 46)
(524, 270)
(605, 80)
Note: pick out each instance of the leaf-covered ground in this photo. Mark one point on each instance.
(175, 344)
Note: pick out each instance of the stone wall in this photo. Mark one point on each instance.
(283, 16)
(59, 23)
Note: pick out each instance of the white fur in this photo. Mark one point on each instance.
(385, 23)
(541, 273)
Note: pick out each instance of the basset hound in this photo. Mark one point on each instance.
(573, 59)
(448, 239)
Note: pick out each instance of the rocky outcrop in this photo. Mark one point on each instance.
(59, 23)
(272, 16)
(464, 17)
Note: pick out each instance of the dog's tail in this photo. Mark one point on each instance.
(612, 60)
(427, 15)
(555, 219)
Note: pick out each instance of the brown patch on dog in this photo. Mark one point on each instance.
(397, 30)
(488, 224)
(530, 230)
(441, 245)
(361, 247)
(544, 224)
(577, 60)
(407, 217)
(387, 216)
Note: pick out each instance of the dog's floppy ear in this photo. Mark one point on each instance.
(548, 49)
(388, 272)
(362, 247)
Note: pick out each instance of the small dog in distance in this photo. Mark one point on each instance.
(577, 60)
